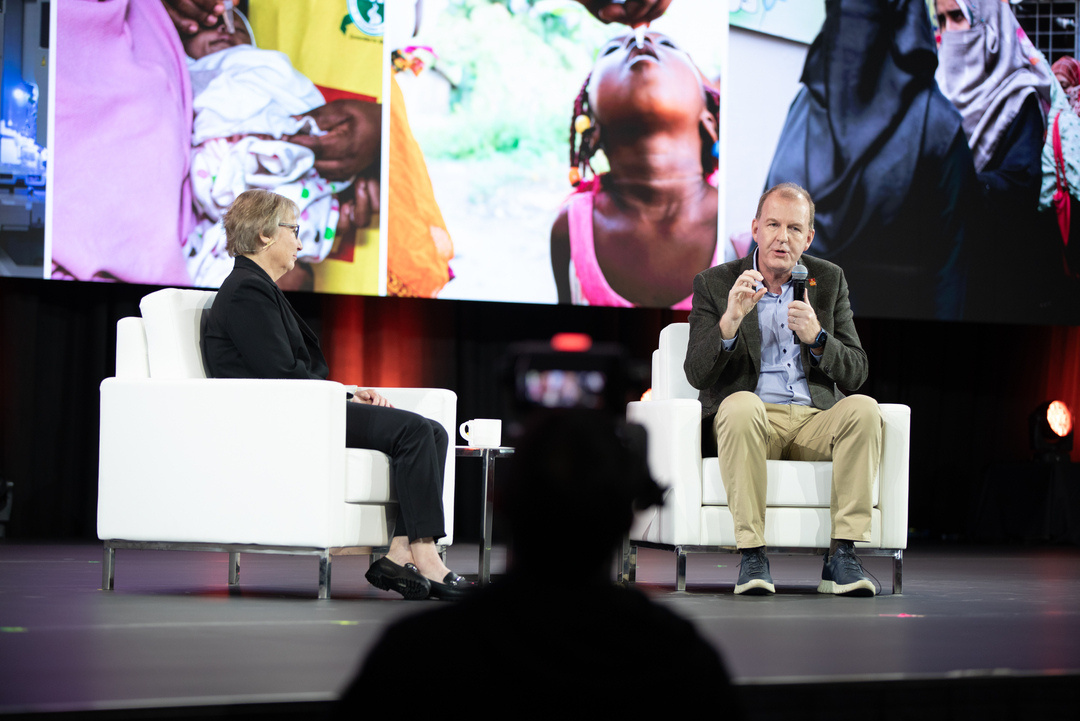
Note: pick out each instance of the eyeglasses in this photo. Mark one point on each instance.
(294, 226)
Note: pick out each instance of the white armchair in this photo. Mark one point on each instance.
(695, 517)
(254, 466)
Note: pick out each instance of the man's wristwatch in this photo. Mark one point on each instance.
(819, 342)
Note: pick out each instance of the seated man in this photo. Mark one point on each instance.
(775, 395)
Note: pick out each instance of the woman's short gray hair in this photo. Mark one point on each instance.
(254, 213)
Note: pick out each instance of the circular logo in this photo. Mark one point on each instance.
(368, 16)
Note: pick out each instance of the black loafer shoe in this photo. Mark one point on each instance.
(453, 588)
(406, 580)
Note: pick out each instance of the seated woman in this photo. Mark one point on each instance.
(253, 332)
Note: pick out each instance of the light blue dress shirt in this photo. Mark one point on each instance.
(782, 379)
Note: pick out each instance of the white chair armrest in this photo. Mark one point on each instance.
(893, 497)
(226, 461)
(438, 404)
(658, 389)
(674, 339)
(674, 428)
(131, 352)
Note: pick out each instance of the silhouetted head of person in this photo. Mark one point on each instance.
(577, 478)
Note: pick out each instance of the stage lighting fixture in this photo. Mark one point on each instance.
(1051, 432)
(571, 342)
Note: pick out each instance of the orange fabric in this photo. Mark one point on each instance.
(419, 247)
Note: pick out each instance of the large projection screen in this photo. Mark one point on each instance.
(444, 155)
(469, 183)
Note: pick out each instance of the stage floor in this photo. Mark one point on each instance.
(173, 634)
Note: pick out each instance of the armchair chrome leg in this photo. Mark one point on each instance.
(898, 572)
(680, 569)
(234, 568)
(622, 574)
(324, 574)
(108, 560)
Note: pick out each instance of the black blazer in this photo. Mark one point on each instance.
(253, 332)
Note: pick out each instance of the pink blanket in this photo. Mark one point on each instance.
(121, 199)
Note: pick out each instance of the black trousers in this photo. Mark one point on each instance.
(417, 448)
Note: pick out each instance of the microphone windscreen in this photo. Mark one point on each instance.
(799, 272)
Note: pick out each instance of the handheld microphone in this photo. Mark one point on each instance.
(798, 286)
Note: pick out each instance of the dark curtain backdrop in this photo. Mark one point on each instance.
(970, 386)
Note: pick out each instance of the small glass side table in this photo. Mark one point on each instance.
(489, 456)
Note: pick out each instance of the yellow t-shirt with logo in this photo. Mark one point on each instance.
(325, 45)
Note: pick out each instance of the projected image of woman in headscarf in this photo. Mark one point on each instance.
(994, 76)
(1067, 70)
(884, 156)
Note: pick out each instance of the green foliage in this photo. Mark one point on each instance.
(516, 76)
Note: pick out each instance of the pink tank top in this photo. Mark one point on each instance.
(588, 286)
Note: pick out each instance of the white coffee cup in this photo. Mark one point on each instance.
(482, 432)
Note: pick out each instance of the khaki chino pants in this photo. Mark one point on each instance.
(749, 432)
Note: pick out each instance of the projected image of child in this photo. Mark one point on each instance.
(639, 233)
(245, 102)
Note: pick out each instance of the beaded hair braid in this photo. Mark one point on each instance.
(581, 125)
(584, 142)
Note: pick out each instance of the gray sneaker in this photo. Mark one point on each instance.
(754, 576)
(843, 574)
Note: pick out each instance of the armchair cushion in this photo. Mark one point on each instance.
(367, 477)
(791, 483)
(784, 527)
(172, 319)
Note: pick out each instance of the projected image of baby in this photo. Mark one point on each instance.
(639, 233)
(245, 102)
